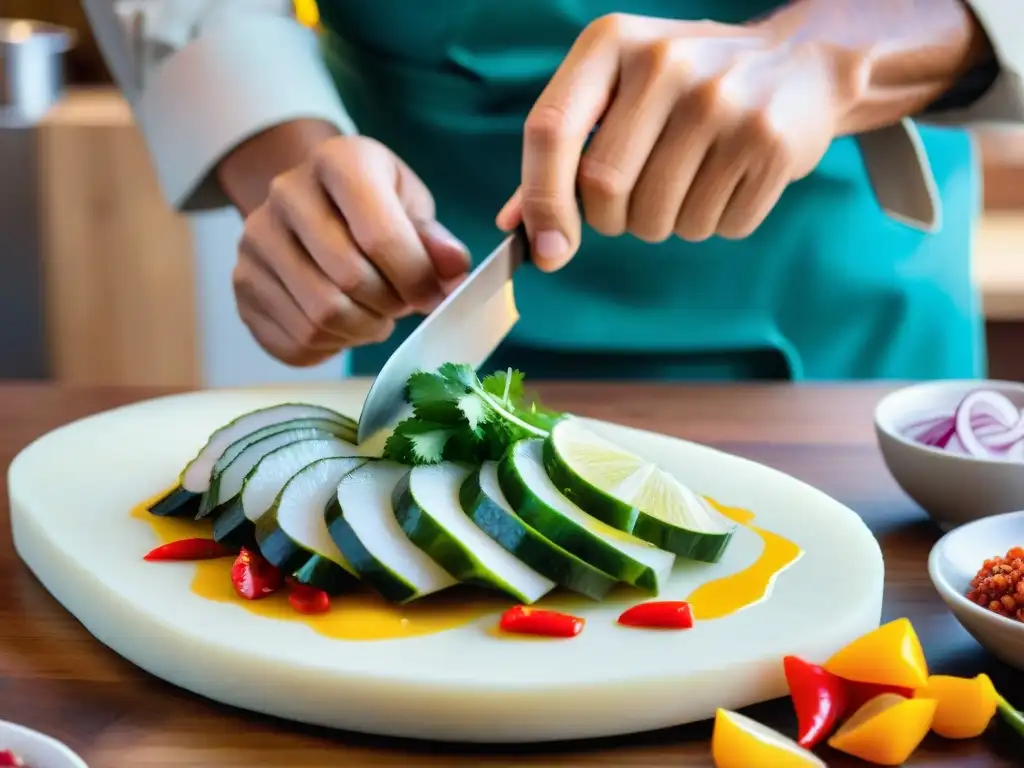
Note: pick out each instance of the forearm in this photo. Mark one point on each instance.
(893, 58)
(246, 172)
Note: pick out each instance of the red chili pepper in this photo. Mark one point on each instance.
(819, 698)
(532, 621)
(189, 549)
(307, 599)
(663, 614)
(859, 694)
(10, 760)
(254, 577)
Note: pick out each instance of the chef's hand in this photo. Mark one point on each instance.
(699, 128)
(342, 245)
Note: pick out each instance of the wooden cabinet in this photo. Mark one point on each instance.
(118, 264)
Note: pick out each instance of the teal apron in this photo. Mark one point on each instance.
(827, 288)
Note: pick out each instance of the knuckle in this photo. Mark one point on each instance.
(546, 126)
(383, 244)
(324, 313)
(328, 155)
(251, 241)
(602, 178)
(758, 129)
(350, 279)
(545, 210)
(281, 194)
(663, 56)
(241, 285)
(613, 25)
(706, 99)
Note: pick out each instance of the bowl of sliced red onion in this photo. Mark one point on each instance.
(956, 447)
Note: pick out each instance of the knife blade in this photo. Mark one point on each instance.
(465, 328)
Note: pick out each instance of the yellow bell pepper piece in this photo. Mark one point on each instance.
(889, 655)
(964, 706)
(886, 730)
(739, 742)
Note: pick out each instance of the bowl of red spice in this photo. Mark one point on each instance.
(978, 570)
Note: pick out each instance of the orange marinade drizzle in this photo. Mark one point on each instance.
(363, 615)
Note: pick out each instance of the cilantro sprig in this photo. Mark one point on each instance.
(459, 417)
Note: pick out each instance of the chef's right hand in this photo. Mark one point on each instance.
(343, 244)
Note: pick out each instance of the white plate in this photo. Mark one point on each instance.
(37, 749)
(70, 496)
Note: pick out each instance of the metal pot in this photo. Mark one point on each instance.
(31, 69)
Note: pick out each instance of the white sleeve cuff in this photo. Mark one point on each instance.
(1003, 102)
(232, 82)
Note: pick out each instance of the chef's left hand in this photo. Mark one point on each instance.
(699, 128)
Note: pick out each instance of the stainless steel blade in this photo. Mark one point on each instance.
(466, 328)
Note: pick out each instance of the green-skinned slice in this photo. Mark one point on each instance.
(235, 523)
(293, 534)
(196, 475)
(177, 502)
(327, 427)
(482, 499)
(538, 501)
(230, 481)
(426, 505)
(363, 525)
(632, 494)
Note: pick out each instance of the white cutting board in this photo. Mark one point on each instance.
(71, 492)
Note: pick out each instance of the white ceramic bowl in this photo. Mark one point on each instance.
(36, 749)
(954, 560)
(952, 489)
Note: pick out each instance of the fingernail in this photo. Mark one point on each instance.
(438, 231)
(550, 245)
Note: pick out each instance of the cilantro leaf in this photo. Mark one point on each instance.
(458, 417)
(418, 442)
(433, 397)
(505, 385)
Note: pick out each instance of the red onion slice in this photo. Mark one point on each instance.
(988, 403)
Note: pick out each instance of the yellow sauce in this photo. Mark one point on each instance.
(362, 615)
(722, 597)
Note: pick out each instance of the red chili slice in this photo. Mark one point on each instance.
(253, 576)
(660, 614)
(533, 621)
(189, 549)
(819, 699)
(307, 599)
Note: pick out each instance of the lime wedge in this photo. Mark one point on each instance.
(632, 494)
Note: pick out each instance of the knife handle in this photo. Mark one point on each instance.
(524, 238)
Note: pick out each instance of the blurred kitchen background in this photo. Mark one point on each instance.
(101, 284)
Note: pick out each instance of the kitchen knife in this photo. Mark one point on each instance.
(465, 328)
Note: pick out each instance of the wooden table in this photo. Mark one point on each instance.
(55, 677)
